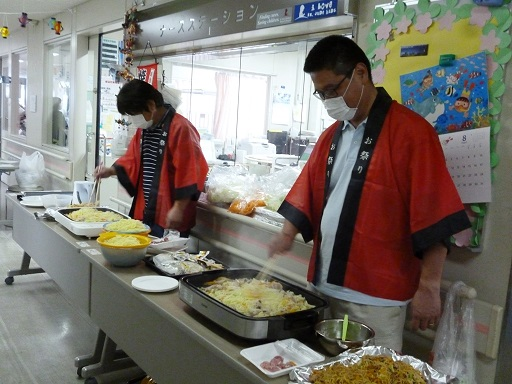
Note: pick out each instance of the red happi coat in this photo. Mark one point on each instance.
(183, 172)
(406, 202)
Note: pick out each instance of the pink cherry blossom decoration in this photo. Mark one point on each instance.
(480, 16)
(446, 22)
(381, 53)
(378, 74)
(383, 31)
(423, 22)
(489, 42)
(403, 25)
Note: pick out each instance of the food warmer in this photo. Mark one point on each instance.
(255, 328)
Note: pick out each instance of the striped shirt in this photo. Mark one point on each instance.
(150, 145)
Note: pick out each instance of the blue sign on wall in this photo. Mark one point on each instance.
(315, 10)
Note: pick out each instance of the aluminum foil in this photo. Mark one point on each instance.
(301, 374)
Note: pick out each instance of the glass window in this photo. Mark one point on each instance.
(4, 94)
(57, 96)
(22, 97)
(13, 82)
(253, 94)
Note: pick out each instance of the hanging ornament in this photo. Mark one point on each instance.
(51, 23)
(4, 31)
(24, 20)
(58, 27)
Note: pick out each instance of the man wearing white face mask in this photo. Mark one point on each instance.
(163, 168)
(376, 198)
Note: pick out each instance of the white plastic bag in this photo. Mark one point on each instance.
(31, 170)
(454, 345)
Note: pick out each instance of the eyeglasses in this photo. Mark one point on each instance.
(330, 93)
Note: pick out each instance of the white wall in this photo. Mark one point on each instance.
(487, 271)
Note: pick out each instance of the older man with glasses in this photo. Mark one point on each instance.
(376, 198)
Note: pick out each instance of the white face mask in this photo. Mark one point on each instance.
(338, 109)
(140, 122)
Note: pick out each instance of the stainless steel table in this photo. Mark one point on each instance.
(167, 339)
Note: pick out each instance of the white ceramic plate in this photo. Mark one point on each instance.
(154, 283)
(289, 350)
(32, 201)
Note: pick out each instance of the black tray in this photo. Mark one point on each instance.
(151, 264)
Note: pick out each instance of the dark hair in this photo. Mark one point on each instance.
(133, 97)
(336, 53)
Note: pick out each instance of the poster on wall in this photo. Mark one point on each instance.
(452, 98)
(148, 74)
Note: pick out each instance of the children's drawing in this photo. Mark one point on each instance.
(452, 98)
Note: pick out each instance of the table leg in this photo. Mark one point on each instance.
(24, 270)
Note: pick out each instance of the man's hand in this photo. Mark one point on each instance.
(426, 303)
(283, 241)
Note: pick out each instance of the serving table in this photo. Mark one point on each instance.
(167, 339)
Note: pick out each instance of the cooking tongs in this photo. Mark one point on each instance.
(95, 192)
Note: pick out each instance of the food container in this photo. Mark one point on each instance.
(254, 328)
(179, 264)
(140, 231)
(329, 333)
(80, 228)
(280, 357)
(120, 255)
(350, 357)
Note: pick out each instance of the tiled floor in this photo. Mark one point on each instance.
(40, 331)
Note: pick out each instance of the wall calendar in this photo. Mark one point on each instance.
(467, 155)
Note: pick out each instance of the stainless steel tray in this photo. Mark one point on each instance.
(81, 228)
(255, 328)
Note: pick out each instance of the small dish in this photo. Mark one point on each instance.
(154, 283)
(286, 351)
(32, 201)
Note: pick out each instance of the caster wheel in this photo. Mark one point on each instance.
(91, 380)
(79, 372)
(9, 280)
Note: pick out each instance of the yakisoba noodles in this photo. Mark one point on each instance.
(126, 225)
(123, 241)
(255, 298)
(93, 215)
(369, 370)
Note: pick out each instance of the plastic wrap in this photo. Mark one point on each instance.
(225, 184)
(275, 186)
(301, 374)
(454, 345)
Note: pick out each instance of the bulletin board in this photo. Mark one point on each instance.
(412, 47)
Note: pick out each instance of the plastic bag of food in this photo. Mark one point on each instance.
(225, 184)
(276, 185)
(454, 345)
(246, 205)
(31, 170)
